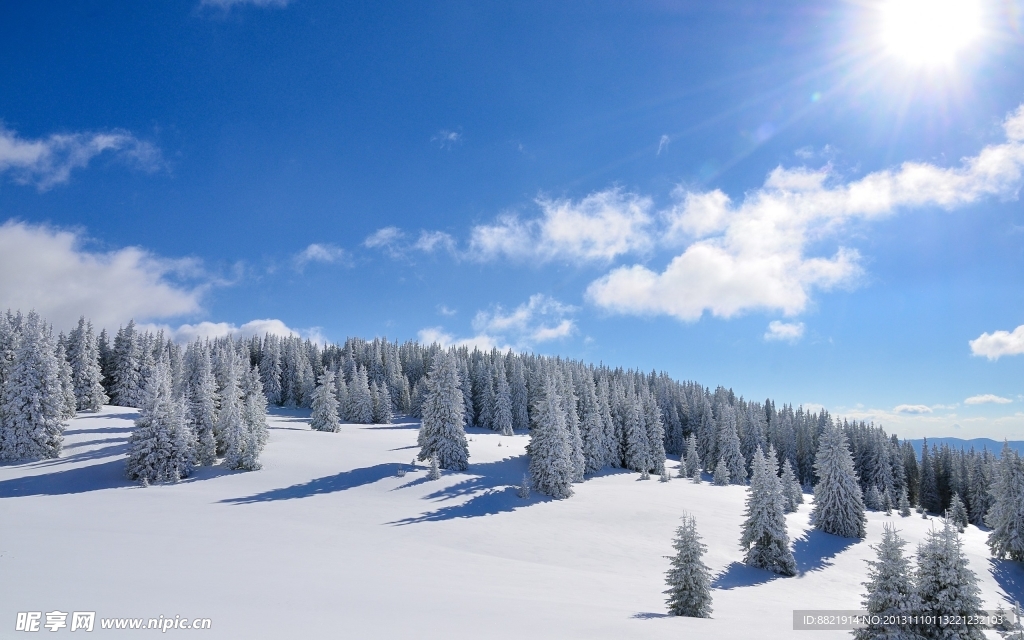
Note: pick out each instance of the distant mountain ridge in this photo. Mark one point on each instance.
(995, 446)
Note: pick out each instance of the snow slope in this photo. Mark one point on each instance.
(328, 542)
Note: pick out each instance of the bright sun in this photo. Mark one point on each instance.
(929, 32)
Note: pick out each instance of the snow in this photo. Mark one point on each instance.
(327, 541)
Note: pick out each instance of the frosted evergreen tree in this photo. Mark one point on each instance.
(382, 405)
(957, 512)
(84, 357)
(765, 538)
(693, 465)
(32, 401)
(325, 405)
(637, 447)
(519, 397)
(682, 471)
(689, 579)
(160, 448)
(890, 592)
(904, 504)
(201, 402)
(791, 488)
(502, 402)
(360, 403)
(126, 388)
(873, 499)
(664, 477)
(67, 384)
(655, 431)
(270, 371)
(435, 471)
(1006, 516)
(524, 488)
(551, 468)
(229, 415)
(838, 504)
(592, 429)
(729, 449)
(441, 430)
(946, 586)
(929, 491)
(340, 394)
(248, 438)
(721, 475)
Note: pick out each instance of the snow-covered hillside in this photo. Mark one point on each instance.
(328, 541)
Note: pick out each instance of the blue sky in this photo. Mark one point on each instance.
(718, 190)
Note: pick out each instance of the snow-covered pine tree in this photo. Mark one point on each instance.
(655, 431)
(929, 499)
(340, 394)
(729, 448)
(764, 531)
(270, 370)
(524, 488)
(127, 356)
(791, 488)
(519, 396)
(1006, 516)
(721, 475)
(682, 471)
(946, 587)
(441, 430)
(873, 499)
(67, 384)
(360, 403)
(904, 505)
(838, 504)
(325, 405)
(161, 447)
(637, 446)
(382, 405)
(551, 468)
(229, 415)
(693, 465)
(201, 401)
(689, 579)
(502, 402)
(957, 512)
(592, 429)
(890, 592)
(32, 402)
(435, 470)
(86, 373)
(247, 439)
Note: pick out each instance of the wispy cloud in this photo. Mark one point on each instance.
(47, 162)
(912, 409)
(754, 255)
(446, 138)
(51, 271)
(999, 343)
(784, 331)
(600, 227)
(540, 319)
(987, 398)
(430, 241)
(662, 143)
(323, 253)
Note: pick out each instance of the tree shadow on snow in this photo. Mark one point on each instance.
(738, 574)
(491, 488)
(647, 615)
(133, 415)
(328, 484)
(815, 550)
(1010, 577)
(118, 449)
(95, 477)
(75, 432)
(385, 427)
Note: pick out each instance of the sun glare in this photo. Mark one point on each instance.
(929, 32)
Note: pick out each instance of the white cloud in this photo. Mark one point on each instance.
(48, 270)
(213, 330)
(47, 162)
(383, 237)
(430, 241)
(912, 409)
(445, 311)
(446, 138)
(753, 255)
(788, 331)
(600, 227)
(662, 143)
(987, 398)
(999, 343)
(540, 319)
(325, 253)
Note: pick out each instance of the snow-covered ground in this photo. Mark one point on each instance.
(327, 541)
